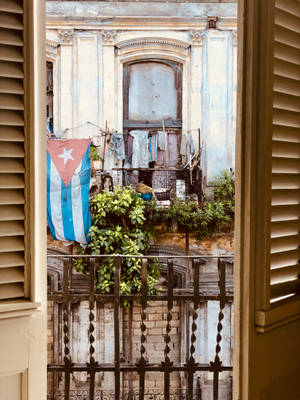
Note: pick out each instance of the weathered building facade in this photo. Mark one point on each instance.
(132, 65)
(127, 66)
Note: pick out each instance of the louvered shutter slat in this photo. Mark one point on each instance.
(11, 275)
(11, 134)
(11, 21)
(285, 196)
(12, 259)
(285, 101)
(11, 213)
(8, 85)
(285, 243)
(287, 273)
(10, 118)
(8, 245)
(287, 20)
(285, 193)
(12, 149)
(9, 165)
(285, 85)
(286, 213)
(10, 53)
(11, 37)
(14, 6)
(285, 165)
(12, 181)
(11, 291)
(288, 181)
(286, 133)
(9, 196)
(11, 102)
(283, 289)
(285, 228)
(285, 36)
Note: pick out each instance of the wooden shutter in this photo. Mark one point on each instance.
(285, 225)
(12, 197)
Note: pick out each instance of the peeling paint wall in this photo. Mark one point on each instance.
(88, 43)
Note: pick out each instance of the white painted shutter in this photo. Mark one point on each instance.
(12, 196)
(285, 226)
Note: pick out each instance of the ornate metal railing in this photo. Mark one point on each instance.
(192, 294)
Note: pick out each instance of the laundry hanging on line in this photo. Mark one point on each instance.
(140, 149)
(116, 145)
(162, 140)
(153, 147)
(187, 147)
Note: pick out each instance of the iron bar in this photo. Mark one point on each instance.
(167, 364)
(143, 362)
(217, 362)
(92, 363)
(192, 363)
(118, 263)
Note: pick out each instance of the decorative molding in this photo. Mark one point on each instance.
(52, 43)
(197, 37)
(234, 38)
(153, 42)
(66, 36)
(109, 36)
(51, 48)
(212, 22)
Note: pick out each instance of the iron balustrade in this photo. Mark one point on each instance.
(66, 296)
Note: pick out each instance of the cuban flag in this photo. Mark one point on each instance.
(68, 185)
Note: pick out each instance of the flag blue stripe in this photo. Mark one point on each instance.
(49, 215)
(85, 174)
(67, 212)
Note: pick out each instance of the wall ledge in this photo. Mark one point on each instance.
(277, 316)
(18, 309)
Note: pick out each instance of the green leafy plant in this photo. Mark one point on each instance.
(203, 220)
(120, 226)
(94, 155)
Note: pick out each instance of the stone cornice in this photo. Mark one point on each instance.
(152, 41)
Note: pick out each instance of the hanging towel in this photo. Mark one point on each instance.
(153, 147)
(116, 145)
(162, 140)
(187, 147)
(140, 149)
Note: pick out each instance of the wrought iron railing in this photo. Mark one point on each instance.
(66, 295)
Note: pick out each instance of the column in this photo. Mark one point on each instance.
(65, 81)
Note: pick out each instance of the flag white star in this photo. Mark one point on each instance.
(66, 155)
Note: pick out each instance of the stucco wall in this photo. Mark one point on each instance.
(88, 42)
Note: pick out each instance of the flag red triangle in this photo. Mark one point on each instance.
(67, 155)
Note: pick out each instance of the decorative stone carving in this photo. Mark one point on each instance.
(197, 37)
(152, 41)
(152, 46)
(66, 36)
(212, 22)
(234, 38)
(109, 36)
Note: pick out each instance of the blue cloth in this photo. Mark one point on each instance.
(116, 145)
(153, 147)
(140, 149)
